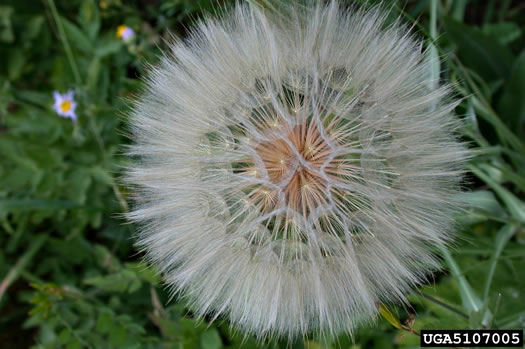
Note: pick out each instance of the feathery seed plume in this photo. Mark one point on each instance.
(295, 168)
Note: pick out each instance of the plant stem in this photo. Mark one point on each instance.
(65, 42)
(22, 262)
(443, 304)
(470, 300)
(504, 235)
(514, 205)
(459, 10)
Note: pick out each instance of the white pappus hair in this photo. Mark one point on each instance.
(293, 169)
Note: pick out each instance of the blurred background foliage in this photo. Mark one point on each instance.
(69, 275)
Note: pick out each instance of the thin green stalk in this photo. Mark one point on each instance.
(470, 299)
(31, 278)
(506, 135)
(459, 10)
(65, 42)
(504, 8)
(22, 262)
(514, 320)
(102, 147)
(443, 304)
(484, 109)
(508, 174)
(514, 205)
(504, 235)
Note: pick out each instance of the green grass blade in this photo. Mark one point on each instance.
(504, 235)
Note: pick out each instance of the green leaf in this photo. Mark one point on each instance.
(117, 337)
(134, 286)
(502, 238)
(76, 37)
(33, 28)
(482, 205)
(6, 28)
(16, 205)
(107, 46)
(105, 322)
(89, 18)
(36, 97)
(503, 32)
(515, 206)
(487, 57)
(145, 272)
(471, 301)
(64, 336)
(79, 181)
(210, 339)
(74, 344)
(512, 102)
(92, 74)
(121, 281)
(388, 316)
(15, 63)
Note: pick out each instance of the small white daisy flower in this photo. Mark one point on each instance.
(65, 105)
(125, 33)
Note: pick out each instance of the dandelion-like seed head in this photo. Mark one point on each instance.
(293, 170)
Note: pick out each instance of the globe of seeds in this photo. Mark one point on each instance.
(293, 168)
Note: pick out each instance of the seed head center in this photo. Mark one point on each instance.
(294, 163)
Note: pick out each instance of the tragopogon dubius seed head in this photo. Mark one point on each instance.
(294, 168)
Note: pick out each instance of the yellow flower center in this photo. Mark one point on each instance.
(120, 31)
(65, 106)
